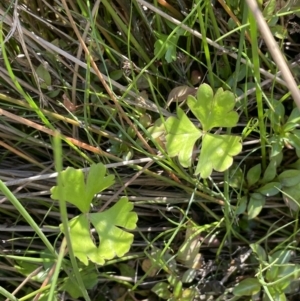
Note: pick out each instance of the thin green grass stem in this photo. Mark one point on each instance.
(57, 149)
(259, 98)
(58, 266)
(9, 195)
(123, 27)
(203, 27)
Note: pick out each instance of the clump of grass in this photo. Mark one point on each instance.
(108, 76)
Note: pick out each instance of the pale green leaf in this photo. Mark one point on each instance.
(247, 287)
(213, 110)
(216, 153)
(110, 226)
(72, 189)
(157, 130)
(253, 175)
(75, 191)
(181, 137)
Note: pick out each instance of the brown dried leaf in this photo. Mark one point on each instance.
(149, 268)
(180, 94)
(188, 252)
(68, 104)
(195, 77)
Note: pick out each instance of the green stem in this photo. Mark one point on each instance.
(256, 66)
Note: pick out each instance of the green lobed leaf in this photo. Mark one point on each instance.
(253, 175)
(216, 153)
(247, 287)
(213, 110)
(75, 191)
(255, 205)
(110, 226)
(181, 137)
(72, 189)
(157, 130)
